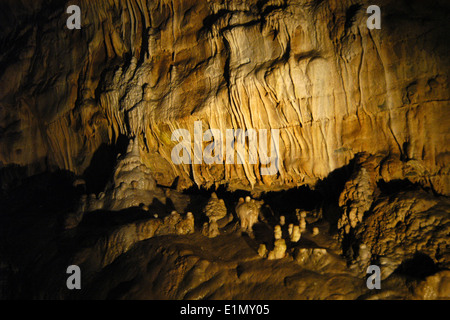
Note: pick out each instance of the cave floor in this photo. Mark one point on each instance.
(226, 267)
(35, 252)
(171, 266)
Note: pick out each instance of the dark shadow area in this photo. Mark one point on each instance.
(161, 209)
(41, 193)
(322, 201)
(106, 219)
(12, 176)
(331, 188)
(102, 165)
(263, 234)
(199, 198)
(121, 289)
(395, 186)
(418, 267)
(30, 227)
(350, 15)
(210, 20)
(284, 203)
(350, 247)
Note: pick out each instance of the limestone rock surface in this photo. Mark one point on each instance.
(311, 69)
(407, 228)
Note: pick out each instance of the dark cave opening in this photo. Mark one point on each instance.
(199, 197)
(286, 202)
(418, 267)
(395, 186)
(276, 203)
(57, 190)
(102, 165)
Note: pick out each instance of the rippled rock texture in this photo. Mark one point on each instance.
(312, 69)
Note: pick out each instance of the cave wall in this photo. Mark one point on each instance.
(312, 69)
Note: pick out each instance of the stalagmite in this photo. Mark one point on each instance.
(277, 233)
(296, 234)
(248, 213)
(262, 250)
(315, 231)
(279, 250)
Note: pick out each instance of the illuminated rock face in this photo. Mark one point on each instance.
(312, 69)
